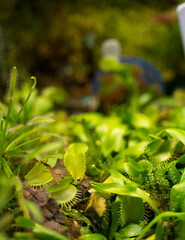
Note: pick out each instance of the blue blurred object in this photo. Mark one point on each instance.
(150, 73)
(144, 72)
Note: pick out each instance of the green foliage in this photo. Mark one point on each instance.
(133, 159)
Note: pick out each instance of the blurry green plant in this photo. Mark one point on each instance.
(18, 148)
(38, 231)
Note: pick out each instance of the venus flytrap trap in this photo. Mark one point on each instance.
(66, 192)
(74, 160)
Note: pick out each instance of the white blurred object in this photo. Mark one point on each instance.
(111, 47)
(181, 18)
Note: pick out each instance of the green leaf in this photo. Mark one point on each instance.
(22, 236)
(110, 134)
(42, 149)
(115, 208)
(77, 215)
(133, 208)
(181, 159)
(13, 81)
(39, 175)
(127, 188)
(5, 221)
(51, 159)
(93, 236)
(176, 133)
(64, 183)
(6, 188)
(130, 230)
(65, 195)
(159, 230)
(39, 232)
(141, 121)
(41, 119)
(34, 83)
(6, 168)
(112, 140)
(25, 222)
(177, 196)
(35, 211)
(26, 143)
(19, 137)
(74, 160)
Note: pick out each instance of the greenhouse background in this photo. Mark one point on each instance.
(59, 42)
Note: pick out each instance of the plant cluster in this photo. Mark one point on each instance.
(133, 157)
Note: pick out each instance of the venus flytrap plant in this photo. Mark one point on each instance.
(65, 192)
(124, 188)
(128, 205)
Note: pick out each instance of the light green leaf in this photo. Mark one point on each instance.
(38, 175)
(19, 137)
(141, 121)
(6, 168)
(41, 119)
(93, 236)
(74, 160)
(13, 81)
(130, 230)
(127, 188)
(34, 210)
(39, 232)
(66, 195)
(43, 149)
(177, 196)
(64, 183)
(176, 133)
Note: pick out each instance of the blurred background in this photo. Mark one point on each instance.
(59, 41)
